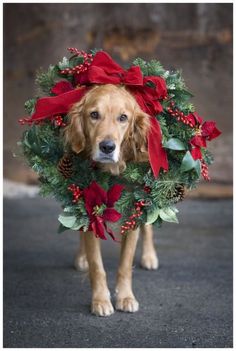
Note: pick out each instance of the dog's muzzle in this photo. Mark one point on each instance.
(107, 146)
(106, 151)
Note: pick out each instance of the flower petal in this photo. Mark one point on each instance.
(196, 153)
(111, 215)
(198, 118)
(209, 130)
(98, 228)
(113, 194)
(90, 199)
(94, 195)
(198, 140)
(100, 192)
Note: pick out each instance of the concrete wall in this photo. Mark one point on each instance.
(194, 37)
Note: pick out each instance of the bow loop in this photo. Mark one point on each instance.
(133, 76)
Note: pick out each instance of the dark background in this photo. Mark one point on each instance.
(194, 37)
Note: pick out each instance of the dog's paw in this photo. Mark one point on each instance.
(81, 263)
(127, 304)
(150, 261)
(102, 308)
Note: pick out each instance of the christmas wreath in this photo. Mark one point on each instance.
(145, 192)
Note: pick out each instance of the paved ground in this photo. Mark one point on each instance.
(186, 303)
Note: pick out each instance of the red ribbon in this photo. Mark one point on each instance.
(103, 70)
(53, 105)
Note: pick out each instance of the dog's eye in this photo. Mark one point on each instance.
(123, 118)
(94, 115)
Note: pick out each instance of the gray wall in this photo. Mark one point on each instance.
(194, 37)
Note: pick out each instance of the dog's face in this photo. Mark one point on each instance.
(108, 124)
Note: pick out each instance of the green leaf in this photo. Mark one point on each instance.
(188, 162)
(168, 214)
(67, 220)
(174, 144)
(152, 216)
(76, 60)
(61, 229)
(174, 209)
(78, 225)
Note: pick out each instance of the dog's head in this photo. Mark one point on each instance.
(108, 125)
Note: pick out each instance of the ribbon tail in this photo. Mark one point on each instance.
(111, 233)
(49, 106)
(157, 154)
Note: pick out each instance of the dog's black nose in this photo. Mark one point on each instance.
(107, 146)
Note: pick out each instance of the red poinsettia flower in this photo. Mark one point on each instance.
(206, 131)
(99, 206)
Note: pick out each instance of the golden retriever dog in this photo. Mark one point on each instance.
(108, 126)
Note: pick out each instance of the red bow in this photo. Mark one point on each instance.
(103, 70)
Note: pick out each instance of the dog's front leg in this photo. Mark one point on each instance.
(125, 299)
(101, 304)
(149, 258)
(80, 261)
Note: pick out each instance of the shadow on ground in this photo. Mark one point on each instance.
(186, 303)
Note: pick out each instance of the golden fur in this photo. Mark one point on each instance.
(129, 136)
(84, 134)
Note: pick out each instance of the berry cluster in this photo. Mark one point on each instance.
(58, 121)
(204, 171)
(179, 115)
(87, 59)
(76, 192)
(29, 121)
(131, 223)
(147, 189)
(76, 52)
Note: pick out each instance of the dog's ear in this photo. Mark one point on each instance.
(134, 146)
(74, 132)
(141, 127)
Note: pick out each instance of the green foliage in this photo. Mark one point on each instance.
(135, 172)
(29, 106)
(207, 156)
(74, 217)
(46, 80)
(142, 64)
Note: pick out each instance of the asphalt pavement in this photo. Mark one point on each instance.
(187, 302)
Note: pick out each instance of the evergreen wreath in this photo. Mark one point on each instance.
(145, 193)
